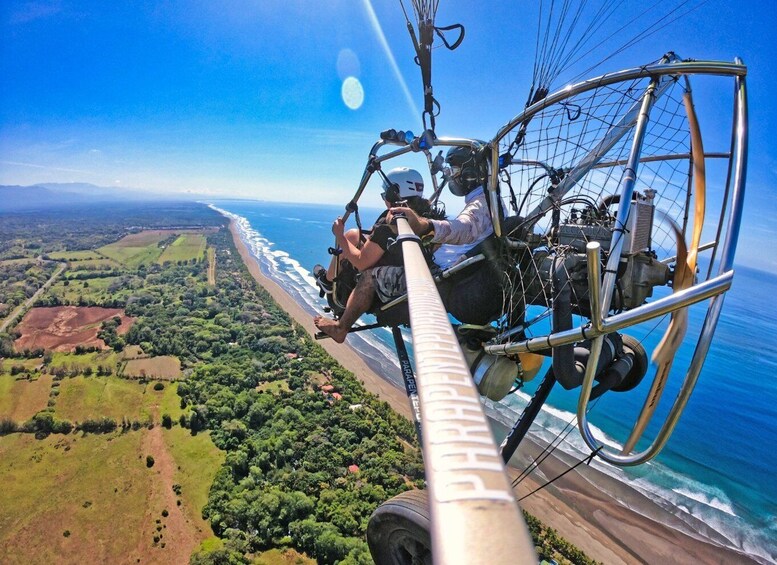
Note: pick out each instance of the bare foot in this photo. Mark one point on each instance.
(331, 328)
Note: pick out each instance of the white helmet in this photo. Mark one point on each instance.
(405, 182)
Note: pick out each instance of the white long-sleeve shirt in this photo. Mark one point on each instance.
(465, 231)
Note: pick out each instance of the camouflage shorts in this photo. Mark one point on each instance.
(389, 282)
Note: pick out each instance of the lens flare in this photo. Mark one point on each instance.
(347, 64)
(352, 93)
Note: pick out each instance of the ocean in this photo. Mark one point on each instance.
(717, 472)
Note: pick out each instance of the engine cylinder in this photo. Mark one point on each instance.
(495, 375)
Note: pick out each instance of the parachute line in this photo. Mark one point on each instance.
(564, 39)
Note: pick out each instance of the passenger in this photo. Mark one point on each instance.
(405, 185)
(466, 177)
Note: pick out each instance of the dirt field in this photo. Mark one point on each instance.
(211, 266)
(62, 328)
(160, 367)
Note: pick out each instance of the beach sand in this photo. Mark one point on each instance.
(601, 526)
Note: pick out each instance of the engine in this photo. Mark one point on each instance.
(639, 269)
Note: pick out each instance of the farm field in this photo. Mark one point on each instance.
(160, 367)
(197, 460)
(185, 248)
(21, 399)
(70, 515)
(82, 398)
(136, 249)
(150, 246)
(169, 402)
(81, 361)
(29, 365)
(61, 495)
(211, 266)
(62, 328)
(100, 263)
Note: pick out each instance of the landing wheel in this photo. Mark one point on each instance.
(398, 531)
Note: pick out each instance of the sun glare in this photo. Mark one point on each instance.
(348, 64)
(387, 50)
(352, 93)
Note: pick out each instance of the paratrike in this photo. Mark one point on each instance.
(613, 218)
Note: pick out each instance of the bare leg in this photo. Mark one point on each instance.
(358, 303)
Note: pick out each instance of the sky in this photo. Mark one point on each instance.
(282, 101)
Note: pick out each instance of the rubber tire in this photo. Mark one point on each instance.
(398, 530)
(640, 364)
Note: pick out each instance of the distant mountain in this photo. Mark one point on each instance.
(57, 195)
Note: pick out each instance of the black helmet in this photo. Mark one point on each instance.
(467, 170)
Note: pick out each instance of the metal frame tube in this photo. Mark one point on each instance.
(674, 68)
(474, 515)
(697, 293)
(713, 312)
(593, 259)
(649, 71)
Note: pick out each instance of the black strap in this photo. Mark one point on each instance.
(439, 30)
(354, 207)
(422, 43)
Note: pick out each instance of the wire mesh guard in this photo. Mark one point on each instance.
(565, 167)
(545, 148)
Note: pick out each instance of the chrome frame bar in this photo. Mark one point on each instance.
(656, 158)
(474, 515)
(660, 307)
(710, 322)
(676, 68)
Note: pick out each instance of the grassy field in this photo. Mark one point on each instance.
(64, 495)
(30, 365)
(186, 247)
(97, 397)
(61, 497)
(101, 263)
(170, 402)
(136, 249)
(91, 290)
(274, 387)
(22, 399)
(211, 266)
(73, 361)
(19, 261)
(132, 352)
(112, 397)
(160, 367)
(197, 460)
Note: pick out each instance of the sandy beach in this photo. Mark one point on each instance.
(604, 528)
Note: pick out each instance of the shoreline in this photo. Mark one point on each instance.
(600, 525)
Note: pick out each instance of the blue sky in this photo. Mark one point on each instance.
(244, 98)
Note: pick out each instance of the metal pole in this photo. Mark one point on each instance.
(474, 515)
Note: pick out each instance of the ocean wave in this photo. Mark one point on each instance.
(692, 502)
(715, 502)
